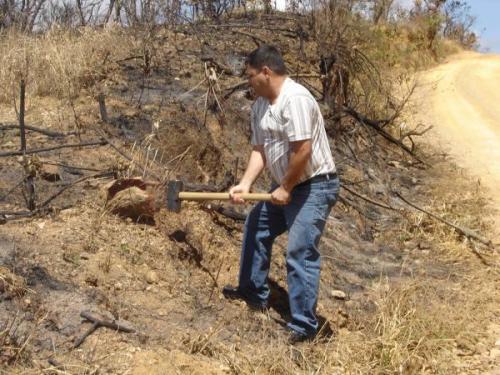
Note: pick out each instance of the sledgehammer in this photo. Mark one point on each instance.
(175, 195)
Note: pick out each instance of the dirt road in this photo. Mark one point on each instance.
(461, 98)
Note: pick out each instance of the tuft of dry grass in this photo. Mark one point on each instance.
(61, 63)
(408, 331)
(11, 284)
(14, 341)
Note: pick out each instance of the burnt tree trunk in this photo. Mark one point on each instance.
(30, 183)
(335, 82)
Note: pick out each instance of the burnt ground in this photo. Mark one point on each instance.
(165, 279)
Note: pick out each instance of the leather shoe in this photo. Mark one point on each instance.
(235, 293)
(297, 337)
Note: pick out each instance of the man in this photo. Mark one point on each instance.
(288, 136)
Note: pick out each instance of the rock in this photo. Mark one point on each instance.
(50, 172)
(338, 294)
(465, 346)
(371, 173)
(84, 255)
(411, 245)
(92, 280)
(9, 144)
(342, 318)
(422, 245)
(379, 189)
(394, 163)
(152, 289)
(408, 181)
(480, 348)
(497, 343)
(118, 286)
(92, 184)
(71, 257)
(494, 353)
(152, 277)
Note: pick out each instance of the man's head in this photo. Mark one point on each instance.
(264, 66)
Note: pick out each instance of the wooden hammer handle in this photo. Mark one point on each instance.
(195, 196)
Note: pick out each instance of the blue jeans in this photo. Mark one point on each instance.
(304, 218)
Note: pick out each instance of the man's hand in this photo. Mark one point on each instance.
(241, 188)
(281, 196)
(255, 166)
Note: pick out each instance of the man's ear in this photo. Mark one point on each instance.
(267, 72)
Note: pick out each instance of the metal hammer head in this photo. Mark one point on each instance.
(173, 190)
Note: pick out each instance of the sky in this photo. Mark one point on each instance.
(487, 23)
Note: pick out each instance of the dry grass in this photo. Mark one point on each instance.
(11, 284)
(15, 340)
(408, 333)
(412, 331)
(61, 63)
(463, 204)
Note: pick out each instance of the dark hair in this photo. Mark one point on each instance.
(267, 55)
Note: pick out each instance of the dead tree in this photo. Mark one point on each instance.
(20, 14)
(29, 193)
(79, 6)
(434, 24)
(335, 80)
(381, 10)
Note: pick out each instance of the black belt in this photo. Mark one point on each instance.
(319, 178)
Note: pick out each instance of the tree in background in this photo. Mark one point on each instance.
(20, 14)
(458, 23)
(381, 10)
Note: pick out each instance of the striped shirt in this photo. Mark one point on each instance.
(295, 116)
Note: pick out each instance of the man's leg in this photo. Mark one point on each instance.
(306, 217)
(265, 222)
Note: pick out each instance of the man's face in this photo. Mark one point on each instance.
(258, 79)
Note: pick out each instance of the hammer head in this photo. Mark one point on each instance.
(173, 190)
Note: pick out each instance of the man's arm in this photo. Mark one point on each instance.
(300, 154)
(256, 164)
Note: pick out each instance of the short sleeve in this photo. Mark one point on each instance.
(257, 136)
(298, 114)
